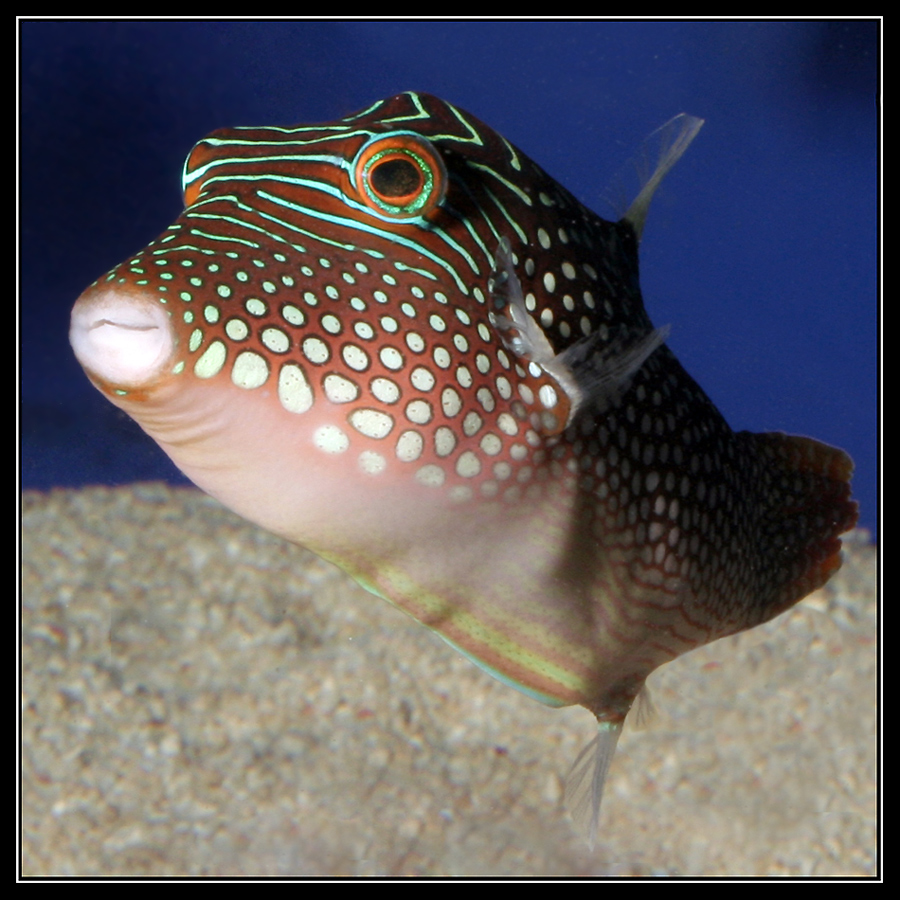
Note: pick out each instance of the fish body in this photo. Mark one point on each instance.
(396, 340)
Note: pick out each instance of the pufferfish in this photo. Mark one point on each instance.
(396, 340)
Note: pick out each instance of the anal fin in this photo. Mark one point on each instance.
(587, 778)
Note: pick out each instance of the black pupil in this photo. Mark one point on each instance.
(396, 178)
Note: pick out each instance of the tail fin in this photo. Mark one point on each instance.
(805, 506)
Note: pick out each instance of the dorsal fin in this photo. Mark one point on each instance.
(656, 155)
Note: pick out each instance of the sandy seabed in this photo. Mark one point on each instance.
(201, 698)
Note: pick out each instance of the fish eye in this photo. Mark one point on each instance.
(400, 176)
(397, 178)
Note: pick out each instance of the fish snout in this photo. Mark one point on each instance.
(122, 337)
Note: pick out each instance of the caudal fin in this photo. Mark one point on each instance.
(805, 506)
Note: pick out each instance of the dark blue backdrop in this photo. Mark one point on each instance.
(760, 248)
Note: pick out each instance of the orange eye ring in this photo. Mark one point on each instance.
(400, 175)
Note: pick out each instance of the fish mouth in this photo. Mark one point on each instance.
(122, 338)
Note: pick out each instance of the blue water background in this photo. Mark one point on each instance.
(760, 247)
